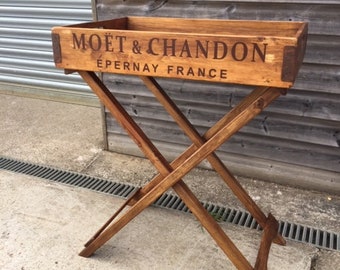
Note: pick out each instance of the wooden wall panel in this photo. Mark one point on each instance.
(296, 140)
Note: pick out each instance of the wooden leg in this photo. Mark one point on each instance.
(269, 233)
(251, 106)
(215, 162)
(161, 164)
(107, 223)
(191, 201)
(226, 120)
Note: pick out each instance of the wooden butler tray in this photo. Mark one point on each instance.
(270, 53)
(264, 54)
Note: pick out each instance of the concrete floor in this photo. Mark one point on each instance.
(43, 225)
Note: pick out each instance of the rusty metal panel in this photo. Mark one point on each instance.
(296, 140)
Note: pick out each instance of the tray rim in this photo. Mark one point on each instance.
(98, 26)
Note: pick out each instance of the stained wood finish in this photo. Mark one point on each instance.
(107, 231)
(181, 48)
(186, 49)
(270, 232)
(171, 176)
(215, 162)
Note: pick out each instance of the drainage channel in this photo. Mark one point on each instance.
(319, 238)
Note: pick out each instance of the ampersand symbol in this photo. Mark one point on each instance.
(136, 48)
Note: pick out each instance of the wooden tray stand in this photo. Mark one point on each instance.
(81, 48)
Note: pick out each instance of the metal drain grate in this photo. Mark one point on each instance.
(291, 231)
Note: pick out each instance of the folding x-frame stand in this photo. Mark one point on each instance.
(270, 53)
(170, 175)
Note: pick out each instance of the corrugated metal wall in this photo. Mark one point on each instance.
(296, 140)
(26, 59)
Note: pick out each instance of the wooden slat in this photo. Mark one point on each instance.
(315, 156)
(322, 50)
(298, 102)
(205, 107)
(252, 167)
(266, 127)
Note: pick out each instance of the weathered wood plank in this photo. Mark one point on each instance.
(290, 152)
(323, 132)
(253, 167)
(323, 19)
(218, 98)
(323, 50)
(308, 117)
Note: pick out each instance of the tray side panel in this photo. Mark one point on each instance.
(218, 58)
(293, 56)
(209, 26)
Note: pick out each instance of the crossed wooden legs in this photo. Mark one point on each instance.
(171, 174)
(198, 141)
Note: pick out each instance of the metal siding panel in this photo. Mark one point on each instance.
(26, 56)
(50, 3)
(31, 23)
(299, 130)
(46, 12)
(13, 43)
